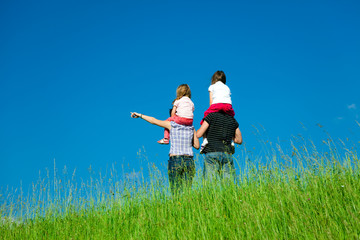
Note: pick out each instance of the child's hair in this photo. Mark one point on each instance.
(218, 76)
(183, 90)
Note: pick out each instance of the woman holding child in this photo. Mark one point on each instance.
(181, 165)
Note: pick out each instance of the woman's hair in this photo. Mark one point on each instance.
(218, 76)
(183, 90)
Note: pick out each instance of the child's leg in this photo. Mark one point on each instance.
(213, 108)
(232, 146)
(178, 120)
(166, 133)
(166, 138)
(204, 143)
(228, 109)
(183, 121)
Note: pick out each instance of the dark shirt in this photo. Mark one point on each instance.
(220, 132)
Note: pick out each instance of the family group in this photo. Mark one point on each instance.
(219, 130)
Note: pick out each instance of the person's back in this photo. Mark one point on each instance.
(220, 132)
(220, 93)
(181, 139)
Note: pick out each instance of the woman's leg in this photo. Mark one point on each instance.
(181, 170)
(173, 172)
(189, 171)
(176, 174)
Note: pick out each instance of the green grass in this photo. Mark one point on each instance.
(317, 199)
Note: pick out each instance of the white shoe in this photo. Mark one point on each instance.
(203, 145)
(232, 147)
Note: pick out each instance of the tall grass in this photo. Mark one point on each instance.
(302, 194)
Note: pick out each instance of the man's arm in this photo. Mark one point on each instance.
(202, 129)
(238, 137)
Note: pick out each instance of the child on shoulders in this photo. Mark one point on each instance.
(182, 111)
(220, 99)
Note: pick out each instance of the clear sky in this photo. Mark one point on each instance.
(71, 72)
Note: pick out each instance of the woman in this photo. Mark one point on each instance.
(181, 165)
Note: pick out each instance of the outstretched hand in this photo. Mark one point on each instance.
(152, 120)
(135, 114)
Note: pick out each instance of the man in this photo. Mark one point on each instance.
(220, 129)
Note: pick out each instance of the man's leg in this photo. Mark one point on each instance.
(211, 166)
(188, 171)
(227, 166)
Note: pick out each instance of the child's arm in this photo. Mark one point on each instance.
(173, 111)
(211, 98)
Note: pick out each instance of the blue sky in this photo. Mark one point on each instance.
(71, 72)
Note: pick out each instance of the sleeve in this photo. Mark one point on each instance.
(236, 124)
(211, 88)
(176, 103)
(208, 118)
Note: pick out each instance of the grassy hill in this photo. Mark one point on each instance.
(317, 198)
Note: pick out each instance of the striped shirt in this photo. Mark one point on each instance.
(181, 138)
(220, 132)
